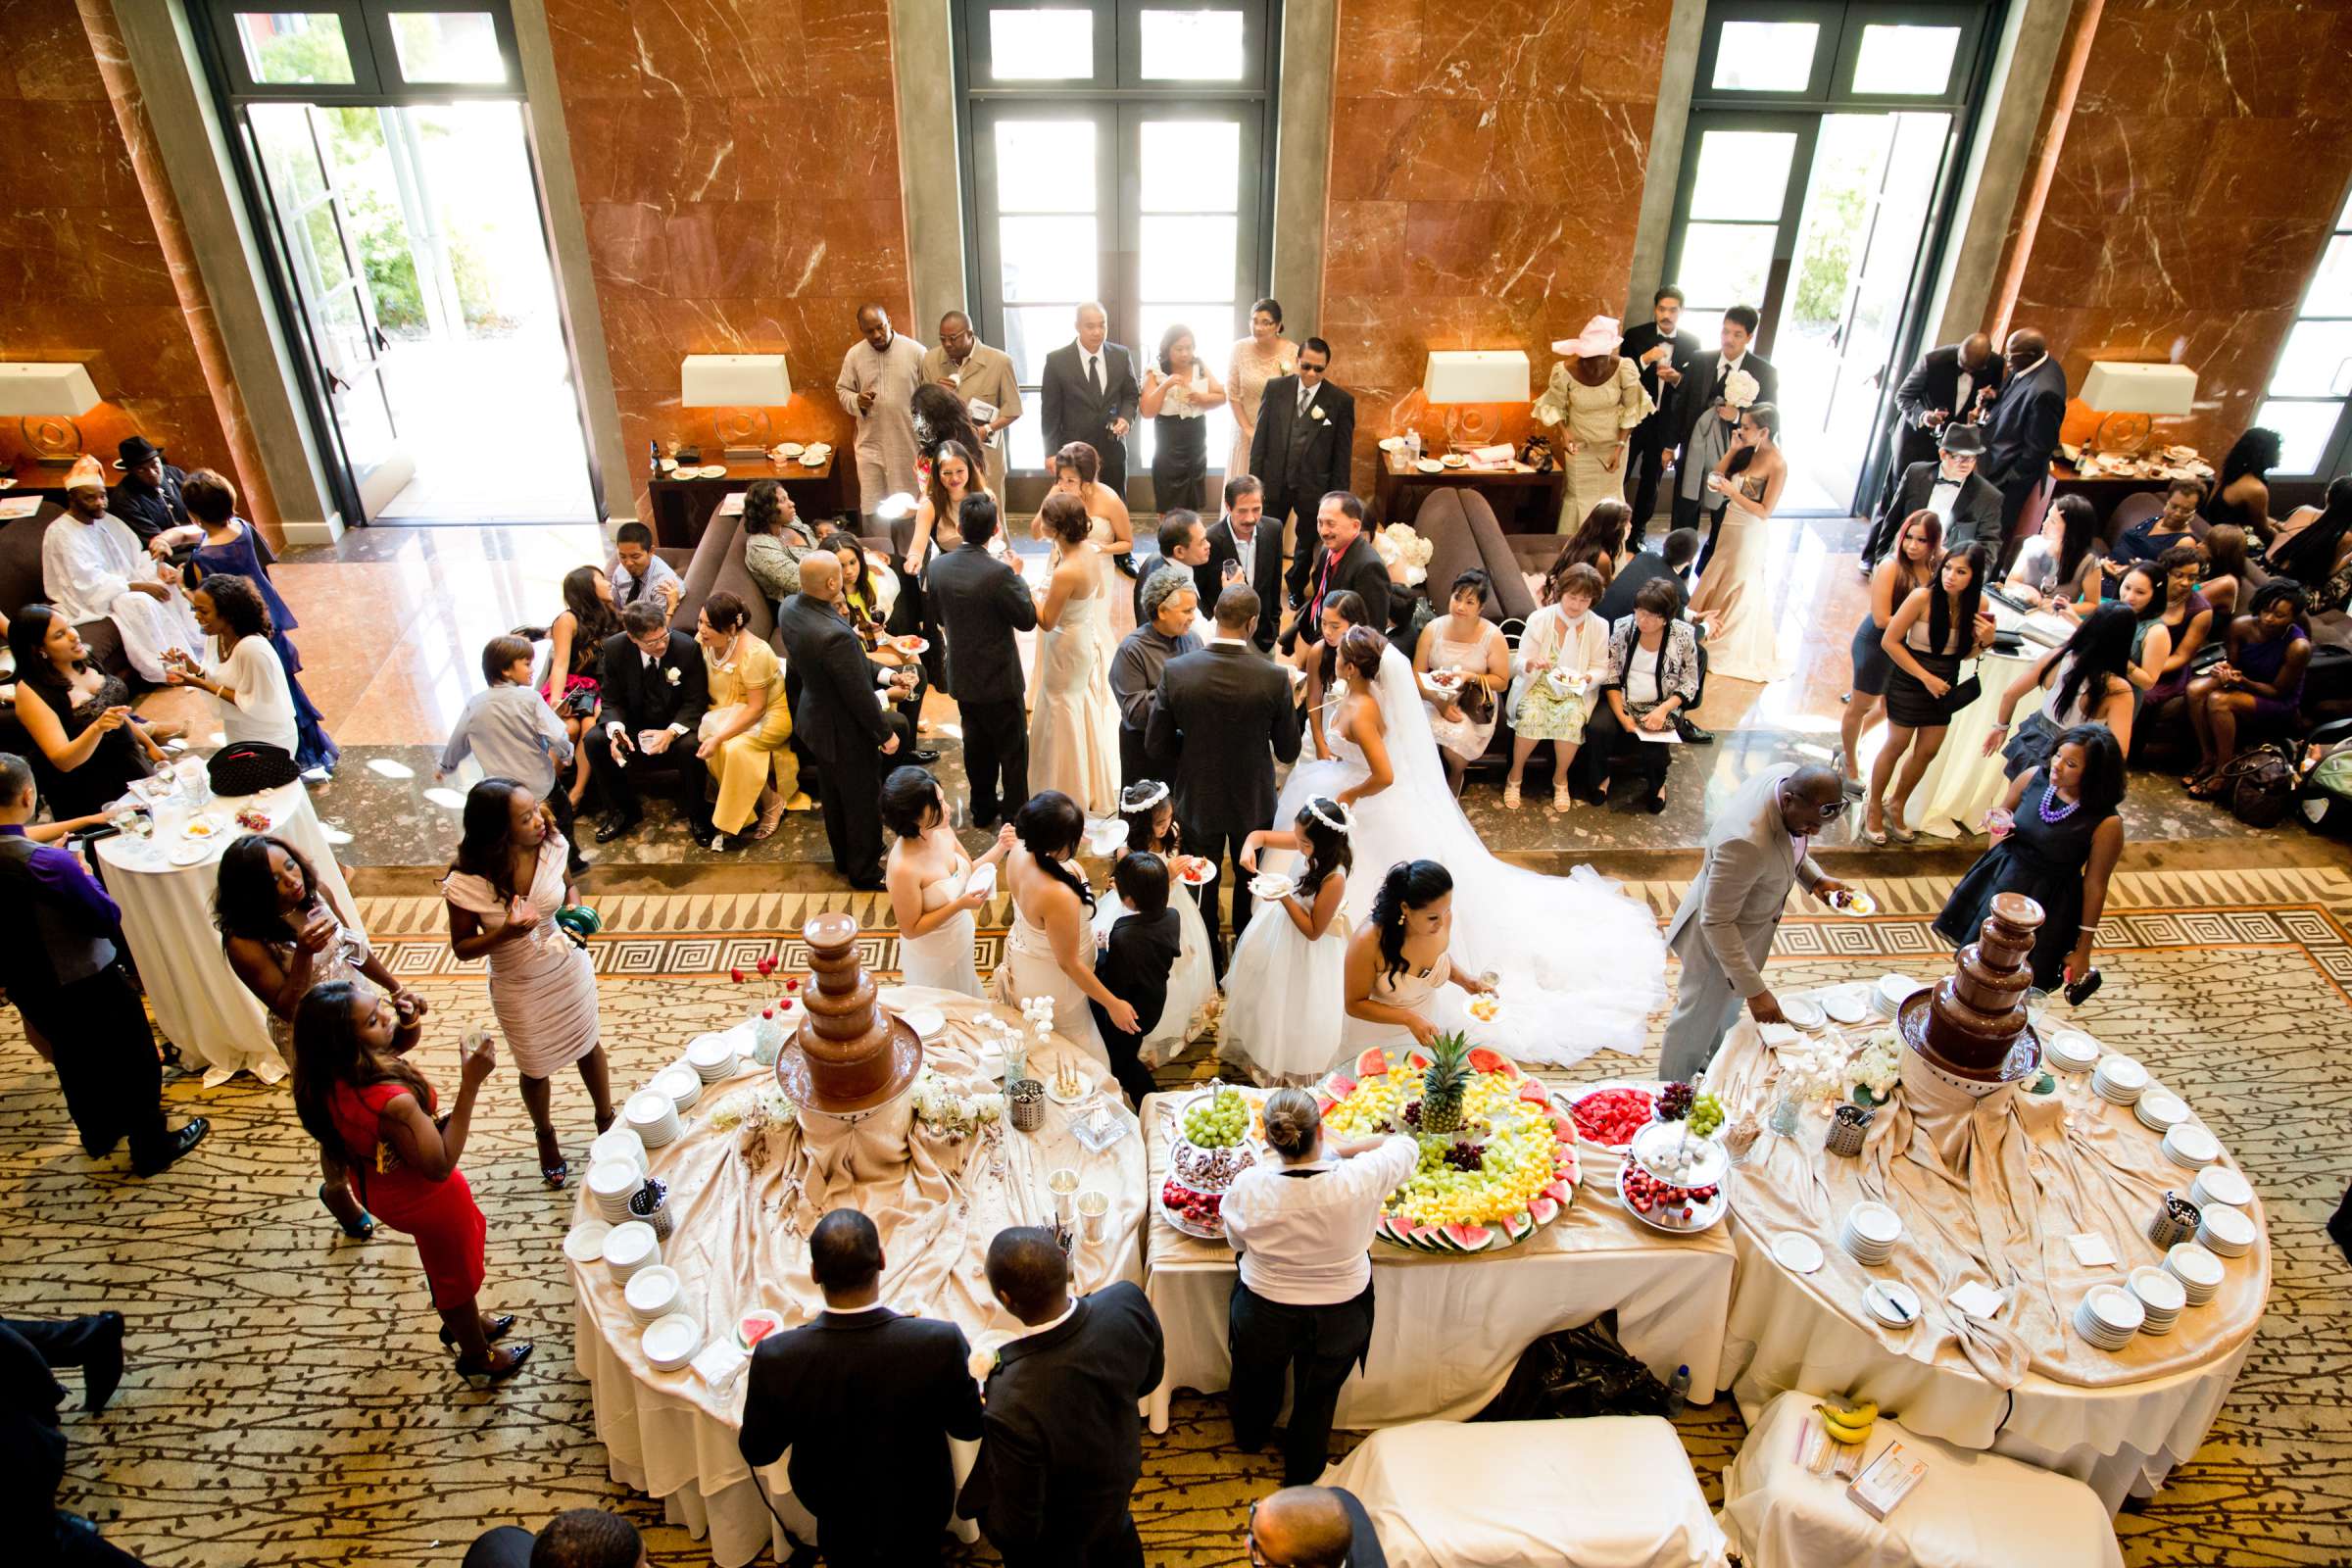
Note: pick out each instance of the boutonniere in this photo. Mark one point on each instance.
(674, 673)
(1315, 410)
(981, 1362)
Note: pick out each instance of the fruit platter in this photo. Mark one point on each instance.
(1611, 1115)
(1497, 1158)
(1672, 1179)
(1219, 1134)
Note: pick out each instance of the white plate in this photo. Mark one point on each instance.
(1891, 1302)
(2194, 1266)
(983, 880)
(2192, 1146)
(926, 1022)
(672, 1343)
(1203, 872)
(1454, 460)
(791, 449)
(630, 1247)
(2115, 1310)
(1804, 1012)
(2075, 1045)
(2160, 1110)
(585, 1243)
(1085, 1092)
(2159, 1293)
(1798, 1253)
(1845, 1004)
(1875, 1224)
(1430, 466)
(714, 470)
(1271, 885)
(2231, 1227)
(1894, 988)
(2124, 1073)
(190, 853)
(1854, 903)
(1391, 443)
(680, 1082)
(204, 827)
(1183, 1227)
(652, 1293)
(2218, 1184)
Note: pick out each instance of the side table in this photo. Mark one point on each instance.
(682, 508)
(1524, 500)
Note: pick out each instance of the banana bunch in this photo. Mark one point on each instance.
(1850, 1423)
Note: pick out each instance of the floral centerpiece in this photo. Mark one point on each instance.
(949, 1112)
(1404, 553)
(1497, 1158)
(1873, 1069)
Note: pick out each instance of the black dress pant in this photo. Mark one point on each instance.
(1223, 850)
(106, 1062)
(674, 771)
(853, 813)
(871, 1545)
(1317, 1347)
(1299, 527)
(996, 757)
(1689, 514)
(1644, 465)
(1611, 752)
(1112, 450)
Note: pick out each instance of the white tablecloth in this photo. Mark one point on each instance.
(199, 1003)
(1962, 782)
(1447, 1331)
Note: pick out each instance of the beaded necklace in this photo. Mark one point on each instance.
(2060, 814)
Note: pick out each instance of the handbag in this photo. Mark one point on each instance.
(248, 767)
(1962, 694)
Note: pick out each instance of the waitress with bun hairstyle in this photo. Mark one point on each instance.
(1302, 1301)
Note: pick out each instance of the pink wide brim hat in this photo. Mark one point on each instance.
(1601, 336)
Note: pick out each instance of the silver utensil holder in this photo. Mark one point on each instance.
(1027, 1104)
(1850, 1129)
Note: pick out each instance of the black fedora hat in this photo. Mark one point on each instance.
(135, 450)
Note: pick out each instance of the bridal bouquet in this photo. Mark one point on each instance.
(1404, 553)
(951, 1114)
(1739, 389)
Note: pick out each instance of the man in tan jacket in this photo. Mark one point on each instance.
(984, 378)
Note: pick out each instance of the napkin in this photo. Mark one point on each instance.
(720, 1363)
(2091, 1250)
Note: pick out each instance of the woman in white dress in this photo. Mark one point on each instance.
(1402, 985)
(1582, 966)
(1151, 817)
(1051, 950)
(1107, 524)
(1256, 360)
(244, 675)
(1074, 725)
(1466, 665)
(1734, 598)
(502, 889)
(1283, 987)
(926, 877)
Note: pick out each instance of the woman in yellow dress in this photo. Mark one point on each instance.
(746, 735)
(1591, 407)
(1256, 360)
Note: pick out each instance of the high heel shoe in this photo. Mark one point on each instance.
(364, 1231)
(497, 1331)
(555, 1170)
(480, 1378)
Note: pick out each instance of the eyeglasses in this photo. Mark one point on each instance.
(1835, 808)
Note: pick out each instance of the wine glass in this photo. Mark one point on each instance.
(1230, 572)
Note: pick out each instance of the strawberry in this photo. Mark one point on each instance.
(735, 975)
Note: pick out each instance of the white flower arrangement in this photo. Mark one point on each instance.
(1739, 389)
(1404, 553)
(1876, 1066)
(755, 1106)
(951, 1114)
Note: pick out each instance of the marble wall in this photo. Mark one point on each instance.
(2193, 180)
(738, 164)
(1487, 167)
(98, 267)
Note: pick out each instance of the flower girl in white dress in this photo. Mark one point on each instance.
(1284, 990)
(1150, 818)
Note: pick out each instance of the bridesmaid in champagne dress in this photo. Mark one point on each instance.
(926, 877)
(1074, 725)
(1733, 597)
(1256, 360)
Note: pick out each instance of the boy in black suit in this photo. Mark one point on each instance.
(655, 692)
(865, 1399)
(1062, 1445)
(1144, 946)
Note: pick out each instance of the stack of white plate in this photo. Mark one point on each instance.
(2160, 1110)
(2198, 1271)
(2119, 1079)
(2226, 1231)
(617, 1143)
(2218, 1184)
(652, 1293)
(929, 1022)
(2192, 1148)
(653, 1116)
(680, 1082)
(629, 1248)
(1869, 1233)
(2161, 1298)
(2109, 1316)
(2072, 1050)
(609, 1184)
(585, 1242)
(1892, 990)
(672, 1343)
(1804, 1011)
(712, 1057)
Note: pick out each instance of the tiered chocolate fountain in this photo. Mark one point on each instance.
(851, 1057)
(1971, 1030)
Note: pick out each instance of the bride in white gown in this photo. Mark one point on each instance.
(1581, 967)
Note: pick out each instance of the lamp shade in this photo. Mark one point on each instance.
(2120, 386)
(46, 391)
(733, 382)
(1475, 375)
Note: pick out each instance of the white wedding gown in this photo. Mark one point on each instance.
(1582, 965)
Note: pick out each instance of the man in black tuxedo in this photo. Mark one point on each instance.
(1699, 397)
(979, 602)
(1946, 387)
(848, 729)
(655, 692)
(1315, 1527)
(865, 1399)
(1671, 559)
(1062, 1445)
(1239, 537)
(1345, 559)
(2021, 432)
(1226, 715)
(1665, 355)
(1183, 542)
(1305, 441)
(1088, 394)
(1949, 485)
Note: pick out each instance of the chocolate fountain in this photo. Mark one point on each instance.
(1971, 1030)
(850, 1056)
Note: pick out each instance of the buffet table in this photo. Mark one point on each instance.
(1449, 1330)
(737, 1244)
(1997, 1208)
(164, 885)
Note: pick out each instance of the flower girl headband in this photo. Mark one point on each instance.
(1144, 796)
(1345, 822)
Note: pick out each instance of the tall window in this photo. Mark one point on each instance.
(2308, 389)
(1116, 151)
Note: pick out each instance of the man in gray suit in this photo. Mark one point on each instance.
(1758, 843)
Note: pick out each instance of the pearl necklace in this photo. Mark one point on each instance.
(2060, 814)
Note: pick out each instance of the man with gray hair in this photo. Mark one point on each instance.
(1167, 608)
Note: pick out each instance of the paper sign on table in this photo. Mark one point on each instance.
(16, 507)
(2091, 1252)
(1977, 1300)
(1888, 1478)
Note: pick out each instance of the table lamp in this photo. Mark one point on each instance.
(1456, 377)
(755, 381)
(46, 399)
(2127, 394)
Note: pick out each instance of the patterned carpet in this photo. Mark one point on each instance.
(286, 1405)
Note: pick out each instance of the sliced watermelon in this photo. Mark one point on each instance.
(1520, 1226)
(1416, 1061)
(1484, 1060)
(1339, 1086)
(1372, 1063)
(1544, 1209)
(1563, 1125)
(1568, 1165)
(1562, 1191)
(1323, 1104)
(1469, 1238)
(1535, 1094)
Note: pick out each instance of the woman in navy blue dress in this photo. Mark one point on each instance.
(231, 546)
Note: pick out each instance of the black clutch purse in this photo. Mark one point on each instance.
(248, 767)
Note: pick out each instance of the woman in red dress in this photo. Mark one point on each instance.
(361, 1101)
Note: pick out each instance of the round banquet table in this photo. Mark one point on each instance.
(1449, 1330)
(2026, 1386)
(1962, 783)
(736, 1245)
(199, 1003)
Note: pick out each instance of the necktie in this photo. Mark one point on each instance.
(1305, 392)
(1094, 374)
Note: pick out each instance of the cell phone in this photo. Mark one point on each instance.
(91, 835)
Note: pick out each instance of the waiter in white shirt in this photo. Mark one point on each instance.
(1303, 1298)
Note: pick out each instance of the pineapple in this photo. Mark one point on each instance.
(1442, 1083)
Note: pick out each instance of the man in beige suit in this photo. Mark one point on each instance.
(984, 378)
(1758, 845)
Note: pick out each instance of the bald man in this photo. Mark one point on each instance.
(2021, 429)
(1947, 386)
(1314, 1527)
(1089, 393)
(839, 715)
(876, 387)
(1757, 846)
(984, 378)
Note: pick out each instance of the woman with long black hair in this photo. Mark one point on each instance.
(86, 748)
(2089, 682)
(576, 639)
(1050, 950)
(2261, 680)
(1904, 570)
(1935, 627)
(1400, 962)
(2059, 569)
(2241, 492)
(2310, 545)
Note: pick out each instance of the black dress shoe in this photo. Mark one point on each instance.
(190, 1134)
(614, 826)
(101, 1367)
(1692, 733)
(923, 756)
(704, 834)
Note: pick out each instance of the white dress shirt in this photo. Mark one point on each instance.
(1304, 1240)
